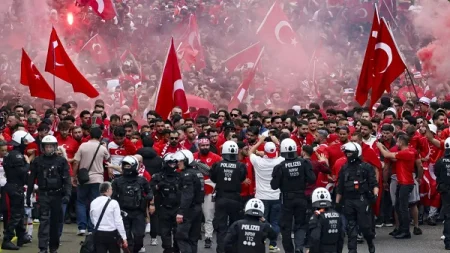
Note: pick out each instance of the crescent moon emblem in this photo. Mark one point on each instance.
(280, 25)
(364, 11)
(55, 45)
(386, 48)
(65, 146)
(115, 152)
(101, 6)
(97, 45)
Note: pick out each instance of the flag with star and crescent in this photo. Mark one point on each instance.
(31, 77)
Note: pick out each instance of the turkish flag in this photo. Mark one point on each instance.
(388, 9)
(366, 77)
(245, 58)
(98, 50)
(31, 77)
(242, 90)
(190, 49)
(59, 64)
(104, 8)
(388, 63)
(361, 13)
(276, 32)
(171, 91)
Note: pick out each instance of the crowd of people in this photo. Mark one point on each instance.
(119, 148)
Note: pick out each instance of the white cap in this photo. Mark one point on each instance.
(433, 128)
(270, 149)
(392, 109)
(424, 100)
(296, 108)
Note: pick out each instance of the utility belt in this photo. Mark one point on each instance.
(228, 195)
(170, 206)
(50, 192)
(443, 188)
(284, 196)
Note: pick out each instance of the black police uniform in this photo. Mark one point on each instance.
(165, 186)
(55, 187)
(248, 236)
(356, 183)
(133, 193)
(442, 172)
(291, 177)
(16, 172)
(227, 176)
(325, 234)
(192, 186)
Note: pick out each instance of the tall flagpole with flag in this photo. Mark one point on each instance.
(54, 78)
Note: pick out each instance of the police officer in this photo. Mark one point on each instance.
(442, 171)
(55, 187)
(291, 177)
(165, 185)
(189, 215)
(228, 175)
(325, 234)
(249, 234)
(357, 185)
(16, 167)
(133, 193)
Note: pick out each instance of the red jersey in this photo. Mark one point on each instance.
(248, 189)
(334, 153)
(33, 147)
(337, 167)
(300, 141)
(167, 148)
(70, 144)
(209, 160)
(405, 166)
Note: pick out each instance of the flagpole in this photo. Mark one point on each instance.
(54, 71)
(412, 82)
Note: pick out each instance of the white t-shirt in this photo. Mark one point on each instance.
(2, 174)
(263, 167)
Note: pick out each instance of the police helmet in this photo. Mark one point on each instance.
(288, 149)
(254, 207)
(49, 140)
(447, 143)
(230, 151)
(130, 160)
(354, 149)
(184, 155)
(21, 137)
(170, 161)
(321, 198)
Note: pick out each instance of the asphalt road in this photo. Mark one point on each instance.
(429, 241)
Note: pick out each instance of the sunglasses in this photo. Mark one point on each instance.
(234, 115)
(174, 138)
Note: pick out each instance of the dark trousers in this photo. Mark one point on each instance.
(359, 216)
(189, 232)
(107, 241)
(293, 211)
(13, 200)
(386, 208)
(168, 228)
(402, 205)
(135, 227)
(154, 224)
(49, 222)
(227, 211)
(445, 197)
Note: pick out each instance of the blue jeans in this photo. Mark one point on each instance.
(272, 213)
(61, 225)
(85, 194)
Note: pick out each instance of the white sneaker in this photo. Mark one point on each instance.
(443, 237)
(81, 232)
(142, 249)
(154, 242)
(36, 221)
(147, 228)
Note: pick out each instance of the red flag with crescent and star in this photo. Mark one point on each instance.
(366, 77)
(190, 49)
(243, 59)
(277, 33)
(59, 64)
(388, 63)
(171, 91)
(361, 13)
(104, 8)
(31, 77)
(98, 50)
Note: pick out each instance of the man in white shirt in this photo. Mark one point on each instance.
(111, 226)
(263, 167)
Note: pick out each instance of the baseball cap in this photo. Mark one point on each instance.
(424, 100)
(270, 150)
(228, 124)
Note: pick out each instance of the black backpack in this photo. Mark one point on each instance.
(131, 196)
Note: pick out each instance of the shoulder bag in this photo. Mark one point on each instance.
(83, 173)
(88, 246)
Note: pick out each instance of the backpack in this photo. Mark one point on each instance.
(131, 196)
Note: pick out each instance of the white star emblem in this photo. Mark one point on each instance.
(294, 41)
(37, 77)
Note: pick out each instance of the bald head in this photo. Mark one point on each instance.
(139, 158)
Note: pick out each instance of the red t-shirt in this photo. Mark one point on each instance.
(334, 153)
(70, 144)
(248, 190)
(405, 166)
(209, 160)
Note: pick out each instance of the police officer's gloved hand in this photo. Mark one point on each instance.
(28, 202)
(65, 200)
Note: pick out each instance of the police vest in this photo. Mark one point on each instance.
(169, 190)
(199, 185)
(330, 222)
(293, 176)
(251, 236)
(228, 178)
(443, 165)
(131, 195)
(49, 174)
(355, 180)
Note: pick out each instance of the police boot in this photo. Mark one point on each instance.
(43, 251)
(9, 246)
(53, 251)
(371, 247)
(24, 240)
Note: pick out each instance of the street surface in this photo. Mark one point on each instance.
(429, 241)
